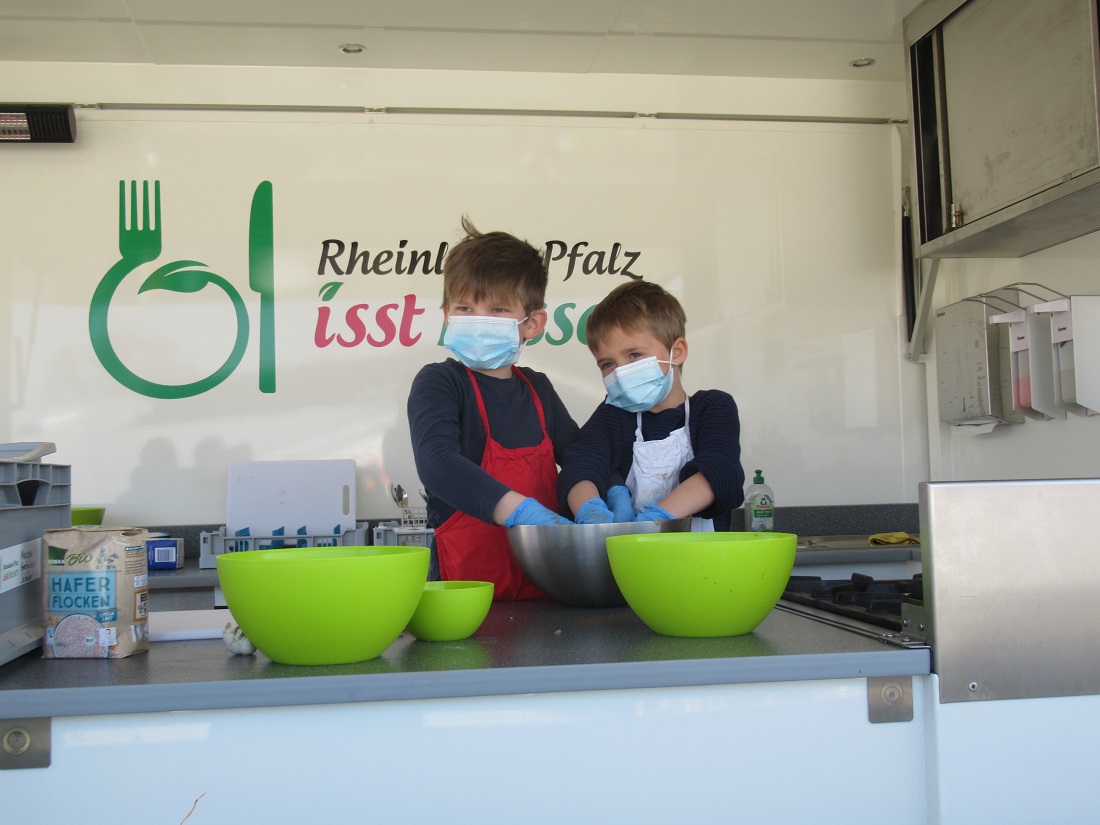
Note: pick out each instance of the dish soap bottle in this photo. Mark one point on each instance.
(759, 506)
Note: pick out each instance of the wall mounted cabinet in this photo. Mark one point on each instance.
(1005, 123)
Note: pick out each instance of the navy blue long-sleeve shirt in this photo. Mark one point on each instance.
(448, 438)
(604, 449)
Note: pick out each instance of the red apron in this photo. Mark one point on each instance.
(472, 549)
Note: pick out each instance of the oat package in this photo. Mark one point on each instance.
(97, 593)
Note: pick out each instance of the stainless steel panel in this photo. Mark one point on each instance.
(972, 363)
(1021, 104)
(24, 743)
(1086, 355)
(889, 699)
(1065, 212)
(925, 17)
(1011, 584)
(1017, 137)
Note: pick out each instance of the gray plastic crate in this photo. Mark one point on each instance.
(411, 531)
(34, 498)
(26, 451)
(35, 485)
(396, 534)
(212, 545)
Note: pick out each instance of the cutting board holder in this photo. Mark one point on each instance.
(212, 545)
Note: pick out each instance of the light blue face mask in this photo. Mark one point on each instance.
(639, 386)
(483, 342)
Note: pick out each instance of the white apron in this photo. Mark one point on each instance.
(655, 471)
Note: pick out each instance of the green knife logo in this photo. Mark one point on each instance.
(261, 278)
(140, 243)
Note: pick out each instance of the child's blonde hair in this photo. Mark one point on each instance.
(637, 305)
(494, 266)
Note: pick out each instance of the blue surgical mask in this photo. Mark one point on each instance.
(640, 385)
(483, 342)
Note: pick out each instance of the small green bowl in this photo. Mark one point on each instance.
(87, 515)
(702, 584)
(451, 610)
(323, 605)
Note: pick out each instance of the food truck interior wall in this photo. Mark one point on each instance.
(781, 238)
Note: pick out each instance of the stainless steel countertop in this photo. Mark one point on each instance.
(523, 647)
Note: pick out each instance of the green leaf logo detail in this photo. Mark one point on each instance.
(329, 290)
(177, 277)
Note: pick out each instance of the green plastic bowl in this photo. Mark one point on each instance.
(702, 584)
(87, 515)
(451, 610)
(323, 605)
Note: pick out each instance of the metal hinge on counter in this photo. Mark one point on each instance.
(889, 699)
(914, 623)
(24, 743)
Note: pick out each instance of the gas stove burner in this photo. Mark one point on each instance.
(877, 602)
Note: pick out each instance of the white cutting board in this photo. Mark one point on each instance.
(316, 497)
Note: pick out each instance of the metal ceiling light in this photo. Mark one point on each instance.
(861, 62)
(37, 123)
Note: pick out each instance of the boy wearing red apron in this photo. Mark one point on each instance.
(487, 435)
(680, 455)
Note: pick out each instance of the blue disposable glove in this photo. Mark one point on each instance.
(594, 511)
(531, 512)
(654, 513)
(618, 499)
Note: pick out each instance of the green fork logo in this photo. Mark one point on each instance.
(139, 243)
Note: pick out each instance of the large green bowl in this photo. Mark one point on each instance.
(323, 605)
(449, 611)
(702, 584)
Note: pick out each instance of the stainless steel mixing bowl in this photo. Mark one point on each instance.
(569, 561)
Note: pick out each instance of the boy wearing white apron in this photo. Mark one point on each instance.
(680, 455)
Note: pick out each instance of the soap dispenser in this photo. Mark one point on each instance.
(759, 506)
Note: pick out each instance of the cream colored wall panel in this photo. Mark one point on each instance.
(92, 83)
(417, 49)
(567, 15)
(780, 241)
(741, 38)
(744, 56)
(74, 9)
(837, 20)
(442, 49)
(97, 40)
(216, 45)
